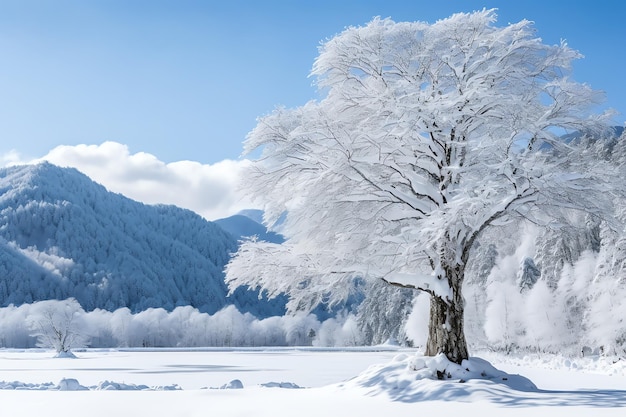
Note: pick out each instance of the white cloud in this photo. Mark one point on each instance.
(12, 157)
(209, 190)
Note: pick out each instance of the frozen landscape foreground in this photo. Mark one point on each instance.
(304, 382)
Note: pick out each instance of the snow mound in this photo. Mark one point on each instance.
(71, 384)
(17, 385)
(599, 364)
(118, 386)
(237, 384)
(289, 385)
(66, 354)
(418, 378)
(234, 384)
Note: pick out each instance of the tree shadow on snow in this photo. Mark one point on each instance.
(571, 398)
(481, 390)
(417, 379)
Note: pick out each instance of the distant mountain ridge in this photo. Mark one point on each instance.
(63, 235)
(245, 225)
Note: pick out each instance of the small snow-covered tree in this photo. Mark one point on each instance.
(528, 274)
(382, 315)
(427, 135)
(57, 325)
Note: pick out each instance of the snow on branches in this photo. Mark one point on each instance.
(427, 135)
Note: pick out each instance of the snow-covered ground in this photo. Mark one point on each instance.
(304, 382)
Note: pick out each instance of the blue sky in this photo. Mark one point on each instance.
(153, 98)
(187, 79)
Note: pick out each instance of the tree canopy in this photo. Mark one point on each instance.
(427, 134)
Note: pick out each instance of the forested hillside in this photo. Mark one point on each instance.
(62, 235)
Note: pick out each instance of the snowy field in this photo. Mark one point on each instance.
(301, 382)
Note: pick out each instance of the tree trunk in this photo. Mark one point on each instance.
(446, 332)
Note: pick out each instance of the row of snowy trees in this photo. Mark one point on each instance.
(562, 288)
(63, 325)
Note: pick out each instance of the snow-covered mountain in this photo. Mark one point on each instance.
(248, 223)
(62, 235)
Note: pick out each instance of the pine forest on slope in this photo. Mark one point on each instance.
(62, 235)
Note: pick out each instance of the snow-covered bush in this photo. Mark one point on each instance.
(58, 325)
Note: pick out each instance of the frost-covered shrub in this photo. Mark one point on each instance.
(63, 325)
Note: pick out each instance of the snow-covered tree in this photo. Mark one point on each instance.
(528, 274)
(426, 136)
(382, 314)
(57, 325)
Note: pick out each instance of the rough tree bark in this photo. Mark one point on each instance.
(446, 329)
(446, 332)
